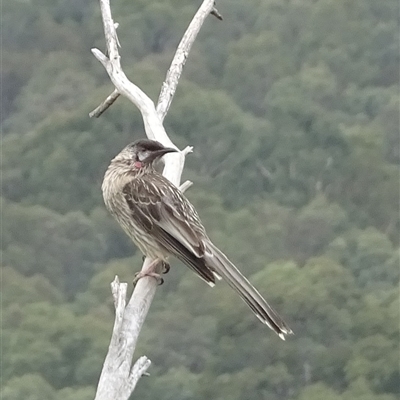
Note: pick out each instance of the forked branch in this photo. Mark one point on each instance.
(118, 377)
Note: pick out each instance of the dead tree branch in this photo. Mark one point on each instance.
(175, 70)
(118, 377)
(108, 102)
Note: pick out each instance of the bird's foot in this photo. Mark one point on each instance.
(166, 267)
(150, 270)
(143, 274)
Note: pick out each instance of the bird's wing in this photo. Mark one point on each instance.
(161, 210)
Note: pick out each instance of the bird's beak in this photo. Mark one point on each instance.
(165, 150)
(157, 154)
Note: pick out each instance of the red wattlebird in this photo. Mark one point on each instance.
(162, 222)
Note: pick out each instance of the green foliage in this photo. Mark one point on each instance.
(318, 391)
(52, 341)
(370, 256)
(293, 111)
(20, 290)
(82, 393)
(30, 387)
(63, 248)
(37, 100)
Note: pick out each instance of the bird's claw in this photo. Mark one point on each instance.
(150, 271)
(166, 267)
(154, 275)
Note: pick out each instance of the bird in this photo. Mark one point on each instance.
(162, 222)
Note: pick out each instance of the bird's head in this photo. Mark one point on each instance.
(143, 152)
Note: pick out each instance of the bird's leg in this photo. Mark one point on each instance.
(150, 270)
(166, 267)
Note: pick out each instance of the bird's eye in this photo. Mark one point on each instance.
(142, 155)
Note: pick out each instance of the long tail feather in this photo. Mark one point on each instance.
(216, 260)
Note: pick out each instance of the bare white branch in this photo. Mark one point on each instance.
(138, 370)
(119, 294)
(216, 14)
(185, 186)
(110, 378)
(175, 70)
(108, 102)
(187, 150)
(118, 377)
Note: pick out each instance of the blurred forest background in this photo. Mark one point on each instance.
(292, 107)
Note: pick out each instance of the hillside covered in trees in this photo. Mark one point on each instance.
(292, 107)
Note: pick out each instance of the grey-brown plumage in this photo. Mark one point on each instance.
(162, 222)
